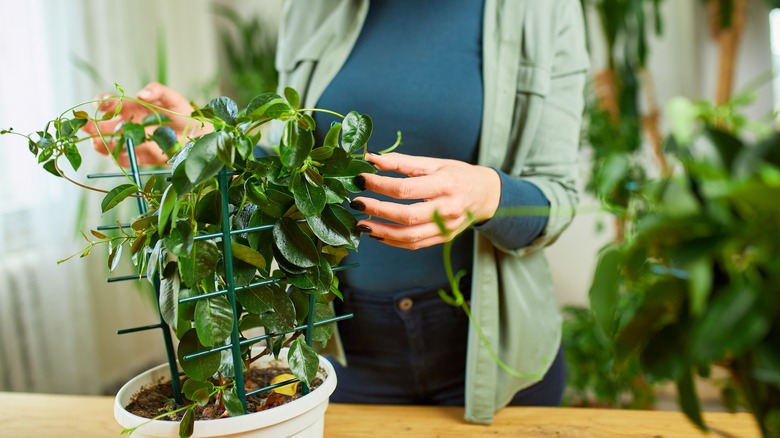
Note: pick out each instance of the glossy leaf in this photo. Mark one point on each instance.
(203, 163)
(323, 333)
(296, 145)
(258, 299)
(117, 195)
(197, 391)
(338, 219)
(169, 294)
(198, 368)
(167, 204)
(303, 361)
(232, 403)
(332, 137)
(292, 97)
(356, 130)
(294, 244)
(300, 300)
(181, 239)
(165, 137)
(209, 208)
(248, 255)
(114, 255)
(71, 127)
(310, 199)
(224, 108)
(187, 425)
(265, 105)
(200, 264)
(213, 320)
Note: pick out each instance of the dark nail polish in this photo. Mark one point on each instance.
(363, 228)
(360, 182)
(357, 205)
(375, 237)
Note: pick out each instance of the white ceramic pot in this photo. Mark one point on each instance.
(302, 418)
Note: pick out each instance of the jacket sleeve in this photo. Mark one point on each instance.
(554, 84)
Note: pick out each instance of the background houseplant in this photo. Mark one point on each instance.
(281, 215)
(703, 267)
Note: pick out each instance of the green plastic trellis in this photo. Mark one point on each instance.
(235, 342)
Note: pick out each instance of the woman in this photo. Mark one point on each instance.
(489, 97)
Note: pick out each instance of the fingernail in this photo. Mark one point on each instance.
(144, 94)
(360, 182)
(375, 237)
(363, 228)
(357, 205)
(374, 154)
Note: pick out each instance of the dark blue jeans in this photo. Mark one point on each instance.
(410, 348)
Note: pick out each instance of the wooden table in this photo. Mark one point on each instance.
(37, 415)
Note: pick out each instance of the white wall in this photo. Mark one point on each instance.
(683, 62)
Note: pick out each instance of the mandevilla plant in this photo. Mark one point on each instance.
(288, 208)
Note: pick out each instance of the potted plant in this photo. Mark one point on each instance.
(701, 262)
(232, 243)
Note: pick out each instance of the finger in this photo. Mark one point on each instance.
(421, 187)
(410, 233)
(405, 164)
(415, 245)
(407, 214)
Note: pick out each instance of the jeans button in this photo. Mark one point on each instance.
(405, 304)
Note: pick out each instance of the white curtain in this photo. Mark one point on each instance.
(66, 315)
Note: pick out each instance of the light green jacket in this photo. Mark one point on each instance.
(535, 61)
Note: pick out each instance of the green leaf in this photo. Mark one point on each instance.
(296, 145)
(114, 255)
(117, 195)
(335, 193)
(73, 156)
(258, 299)
(203, 163)
(292, 97)
(213, 320)
(198, 368)
(325, 276)
(700, 285)
(209, 208)
(181, 239)
(294, 244)
(688, 400)
(356, 130)
(232, 403)
(248, 255)
(187, 425)
(71, 127)
(282, 318)
(259, 106)
(155, 119)
(321, 153)
(310, 199)
(300, 300)
(604, 290)
(200, 264)
(51, 167)
(303, 361)
(224, 108)
(135, 132)
(336, 219)
(165, 137)
(324, 332)
(167, 205)
(727, 145)
(198, 391)
(332, 137)
(169, 294)
(734, 322)
(347, 176)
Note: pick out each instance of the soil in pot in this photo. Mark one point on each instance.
(155, 399)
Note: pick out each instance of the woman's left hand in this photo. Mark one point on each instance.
(458, 191)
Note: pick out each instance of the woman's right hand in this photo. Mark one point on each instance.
(154, 94)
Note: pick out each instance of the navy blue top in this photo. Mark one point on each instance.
(417, 67)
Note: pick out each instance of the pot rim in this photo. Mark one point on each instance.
(223, 426)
